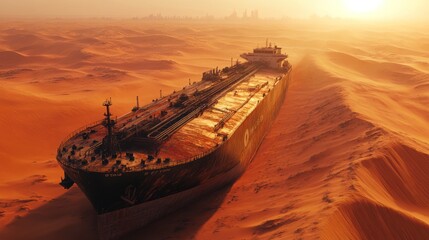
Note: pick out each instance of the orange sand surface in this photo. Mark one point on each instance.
(347, 157)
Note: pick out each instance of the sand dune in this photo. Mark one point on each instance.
(372, 69)
(144, 64)
(11, 58)
(51, 48)
(155, 40)
(379, 175)
(346, 158)
(354, 218)
(18, 40)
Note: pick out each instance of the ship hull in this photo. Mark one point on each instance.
(116, 223)
(126, 201)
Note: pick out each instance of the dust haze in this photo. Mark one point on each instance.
(346, 157)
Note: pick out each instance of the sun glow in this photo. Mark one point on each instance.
(363, 6)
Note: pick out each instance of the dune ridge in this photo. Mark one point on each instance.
(365, 182)
(345, 159)
(350, 221)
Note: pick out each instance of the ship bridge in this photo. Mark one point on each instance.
(270, 56)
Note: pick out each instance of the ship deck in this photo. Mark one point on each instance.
(198, 137)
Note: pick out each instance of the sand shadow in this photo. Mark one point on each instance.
(185, 222)
(71, 216)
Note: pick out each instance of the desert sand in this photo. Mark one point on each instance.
(347, 157)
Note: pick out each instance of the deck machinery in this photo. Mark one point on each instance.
(156, 158)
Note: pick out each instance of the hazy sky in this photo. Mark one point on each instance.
(219, 8)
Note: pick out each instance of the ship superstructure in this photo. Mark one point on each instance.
(270, 56)
(163, 155)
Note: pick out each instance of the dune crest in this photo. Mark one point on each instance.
(336, 159)
(345, 159)
(368, 220)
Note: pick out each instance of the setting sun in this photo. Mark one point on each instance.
(363, 6)
(202, 119)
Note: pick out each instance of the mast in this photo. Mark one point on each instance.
(108, 123)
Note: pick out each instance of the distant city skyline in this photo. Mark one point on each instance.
(391, 9)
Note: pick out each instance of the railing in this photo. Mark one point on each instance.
(177, 163)
(88, 151)
(166, 127)
(77, 131)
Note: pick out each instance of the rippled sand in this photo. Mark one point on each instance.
(347, 157)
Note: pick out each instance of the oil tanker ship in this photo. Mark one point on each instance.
(159, 157)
